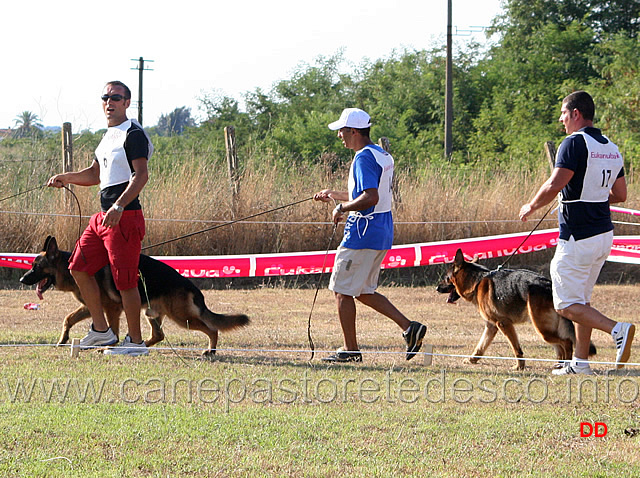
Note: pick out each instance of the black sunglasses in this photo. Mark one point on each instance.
(116, 97)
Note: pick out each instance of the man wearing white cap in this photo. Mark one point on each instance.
(368, 235)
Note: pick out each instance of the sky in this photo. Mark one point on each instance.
(57, 56)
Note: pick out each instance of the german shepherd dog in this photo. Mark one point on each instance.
(505, 298)
(169, 294)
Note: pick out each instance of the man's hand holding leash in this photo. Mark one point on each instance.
(327, 195)
(56, 181)
(111, 217)
(525, 211)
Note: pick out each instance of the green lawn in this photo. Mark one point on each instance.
(255, 412)
(161, 416)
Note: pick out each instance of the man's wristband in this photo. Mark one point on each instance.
(339, 208)
(117, 208)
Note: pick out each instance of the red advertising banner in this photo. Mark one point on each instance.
(410, 255)
(265, 265)
(625, 249)
(16, 261)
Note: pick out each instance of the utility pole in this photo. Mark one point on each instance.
(140, 69)
(448, 105)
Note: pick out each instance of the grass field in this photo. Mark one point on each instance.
(260, 408)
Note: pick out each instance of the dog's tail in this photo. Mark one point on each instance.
(218, 321)
(224, 321)
(567, 330)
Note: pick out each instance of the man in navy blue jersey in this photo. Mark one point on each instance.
(588, 175)
(368, 234)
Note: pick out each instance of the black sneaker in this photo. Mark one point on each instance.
(413, 337)
(342, 356)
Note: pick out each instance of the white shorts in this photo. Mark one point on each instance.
(575, 268)
(356, 271)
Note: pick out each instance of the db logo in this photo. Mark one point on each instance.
(598, 429)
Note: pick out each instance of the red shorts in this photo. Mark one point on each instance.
(118, 246)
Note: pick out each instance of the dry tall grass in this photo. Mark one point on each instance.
(434, 204)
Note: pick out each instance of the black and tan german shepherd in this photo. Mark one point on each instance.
(170, 294)
(505, 298)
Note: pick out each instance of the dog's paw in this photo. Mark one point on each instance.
(471, 360)
(209, 353)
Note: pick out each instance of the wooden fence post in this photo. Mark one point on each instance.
(232, 163)
(550, 149)
(385, 144)
(67, 158)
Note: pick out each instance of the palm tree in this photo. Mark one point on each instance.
(28, 124)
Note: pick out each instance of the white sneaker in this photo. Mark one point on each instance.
(569, 369)
(128, 348)
(97, 339)
(560, 364)
(623, 340)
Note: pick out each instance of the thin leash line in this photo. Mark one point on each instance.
(23, 192)
(226, 224)
(79, 221)
(309, 223)
(515, 251)
(302, 351)
(79, 210)
(144, 286)
(626, 223)
(296, 223)
(315, 297)
(44, 186)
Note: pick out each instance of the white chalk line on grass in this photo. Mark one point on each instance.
(301, 351)
(59, 458)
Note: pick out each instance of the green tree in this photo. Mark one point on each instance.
(315, 87)
(222, 111)
(613, 17)
(405, 96)
(175, 122)
(521, 18)
(293, 116)
(543, 52)
(506, 97)
(617, 92)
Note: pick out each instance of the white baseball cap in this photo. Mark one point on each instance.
(352, 118)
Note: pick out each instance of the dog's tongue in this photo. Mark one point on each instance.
(39, 289)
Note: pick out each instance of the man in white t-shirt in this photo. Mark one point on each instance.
(368, 235)
(114, 234)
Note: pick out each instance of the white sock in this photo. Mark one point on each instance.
(579, 362)
(616, 329)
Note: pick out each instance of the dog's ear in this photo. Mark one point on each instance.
(46, 243)
(459, 260)
(51, 247)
